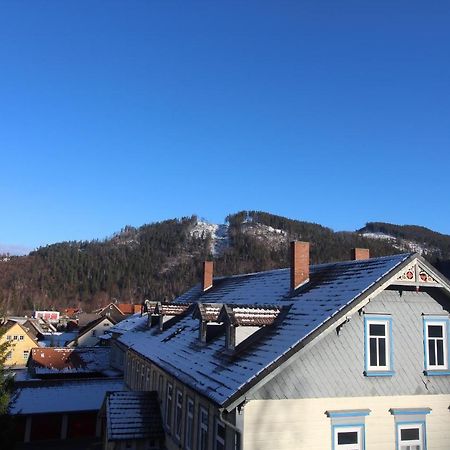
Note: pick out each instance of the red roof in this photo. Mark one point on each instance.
(127, 308)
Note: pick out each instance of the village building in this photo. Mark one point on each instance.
(347, 355)
(21, 339)
(89, 335)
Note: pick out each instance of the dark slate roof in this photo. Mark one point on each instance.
(216, 375)
(133, 415)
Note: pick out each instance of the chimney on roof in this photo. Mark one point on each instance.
(207, 275)
(299, 263)
(360, 253)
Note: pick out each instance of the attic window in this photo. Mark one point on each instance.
(208, 315)
(243, 321)
(169, 313)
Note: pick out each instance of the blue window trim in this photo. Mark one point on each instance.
(435, 372)
(350, 425)
(349, 413)
(413, 422)
(410, 411)
(373, 372)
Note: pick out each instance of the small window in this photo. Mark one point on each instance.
(203, 429)
(26, 354)
(169, 405)
(219, 435)
(410, 436)
(436, 344)
(348, 438)
(15, 338)
(9, 355)
(20, 338)
(8, 337)
(189, 424)
(378, 345)
(178, 414)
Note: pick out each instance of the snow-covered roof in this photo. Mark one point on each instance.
(209, 370)
(134, 322)
(48, 361)
(61, 396)
(133, 415)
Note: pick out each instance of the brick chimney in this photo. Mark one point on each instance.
(207, 275)
(299, 263)
(360, 253)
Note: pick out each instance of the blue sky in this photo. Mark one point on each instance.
(129, 112)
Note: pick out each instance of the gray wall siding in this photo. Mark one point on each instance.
(334, 366)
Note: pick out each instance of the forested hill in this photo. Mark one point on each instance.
(161, 260)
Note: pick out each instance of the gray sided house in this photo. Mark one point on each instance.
(342, 356)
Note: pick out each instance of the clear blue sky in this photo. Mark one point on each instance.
(129, 112)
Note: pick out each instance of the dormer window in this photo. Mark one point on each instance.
(167, 312)
(208, 315)
(243, 321)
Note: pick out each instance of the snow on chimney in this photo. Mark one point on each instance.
(299, 263)
(207, 275)
(360, 253)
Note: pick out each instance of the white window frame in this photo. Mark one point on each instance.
(442, 322)
(189, 433)
(377, 369)
(219, 442)
(203, 428)
(404, 445)
(169, 403)
(178, 413)
(359, 429)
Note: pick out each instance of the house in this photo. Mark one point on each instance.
(118, 311)
(21, 340)
(55, 410)
(58, 399)
(343, 356)
(88, 336)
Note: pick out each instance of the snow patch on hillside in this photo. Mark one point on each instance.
(402, 244)
(273, 236)
(218, 234)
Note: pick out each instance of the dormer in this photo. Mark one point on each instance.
(150, 309)
(168, 313)
(208, 316)
(244, 321)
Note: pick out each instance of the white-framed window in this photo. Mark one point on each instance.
(203, 420)
(348, 429)
(378, 345)
(8, 337)
(178, 413)
(169, 396)
(436, 344)
(21, 338)
(410, 436)
(348, 437)
(15, 337)
(189, 435)
(410, 428)
(219, 435)
(26, 353)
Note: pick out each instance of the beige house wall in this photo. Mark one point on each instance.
(303, 424)
(20, 342)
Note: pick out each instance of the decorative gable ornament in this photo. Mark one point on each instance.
(416, 274)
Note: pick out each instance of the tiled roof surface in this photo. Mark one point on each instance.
(253, 315)
(133, 415)
(208, 312)
(207, 368)
(135, 322)
(66, 396)
(172, 309)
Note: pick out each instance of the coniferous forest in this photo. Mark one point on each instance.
(161, 260)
